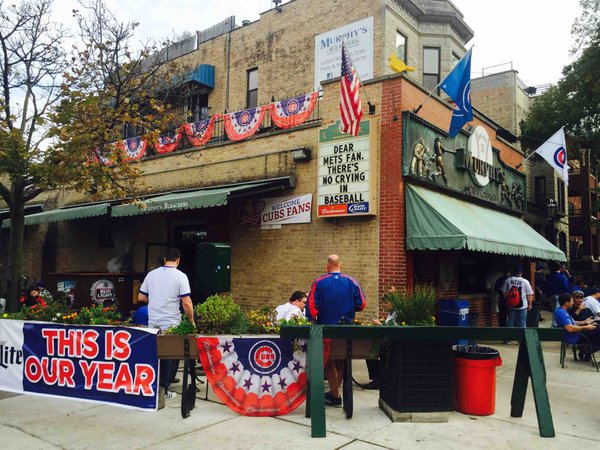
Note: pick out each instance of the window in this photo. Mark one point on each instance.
(539, 190)
(252, 92)
(562, 241)
(431, 67)
(197, 107)
(401, 47)
(560, 186)
(575, 206)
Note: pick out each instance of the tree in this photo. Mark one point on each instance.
(62, 112)
(575, 101)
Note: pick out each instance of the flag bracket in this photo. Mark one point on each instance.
(371, 108)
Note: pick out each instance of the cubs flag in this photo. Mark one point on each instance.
(350, 105)
(112, 365)
(255, 376)
(554, 151)
(457, 85)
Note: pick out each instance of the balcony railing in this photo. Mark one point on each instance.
(219, 136)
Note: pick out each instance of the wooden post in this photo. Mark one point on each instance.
(317, 386)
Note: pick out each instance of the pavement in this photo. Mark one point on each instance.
(31, 422)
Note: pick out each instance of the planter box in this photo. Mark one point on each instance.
(170, 346)
(417, 377)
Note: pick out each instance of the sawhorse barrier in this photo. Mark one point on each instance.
(530, 362)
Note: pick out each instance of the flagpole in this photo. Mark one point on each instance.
(416, 111)
(525, 159)
(371, 106)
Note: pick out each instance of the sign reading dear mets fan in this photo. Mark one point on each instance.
(344, 183)
(115, 365)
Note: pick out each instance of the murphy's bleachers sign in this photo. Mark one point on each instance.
(466, 164)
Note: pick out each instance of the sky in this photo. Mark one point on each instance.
(532, 34)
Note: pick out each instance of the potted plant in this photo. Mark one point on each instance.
(416, 376)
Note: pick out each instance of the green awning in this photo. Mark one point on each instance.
(62, 214)
(436, 221)
(203, 198)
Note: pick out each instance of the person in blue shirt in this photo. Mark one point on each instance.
(140, 316)
(573, 329)
(334, 298)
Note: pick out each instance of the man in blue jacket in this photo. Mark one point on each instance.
(334, 298)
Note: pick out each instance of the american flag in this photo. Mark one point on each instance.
(350, 106)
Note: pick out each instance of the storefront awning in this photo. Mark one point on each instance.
(436, 221)
(203, 198)
(62, 214)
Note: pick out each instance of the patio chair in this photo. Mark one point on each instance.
(584, 345)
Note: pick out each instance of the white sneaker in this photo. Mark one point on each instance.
(170, 394)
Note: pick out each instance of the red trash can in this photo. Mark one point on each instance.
(475, 379)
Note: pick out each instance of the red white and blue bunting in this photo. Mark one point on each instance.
(133, 148)
(255, 376)
(168, 142)
(293, 111)
(199, 133)
(242, 124)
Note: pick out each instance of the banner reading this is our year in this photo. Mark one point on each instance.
(115, 365)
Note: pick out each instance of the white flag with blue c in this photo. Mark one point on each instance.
(554, 151)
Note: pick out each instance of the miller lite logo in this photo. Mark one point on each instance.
(102, 290)
(9, 355)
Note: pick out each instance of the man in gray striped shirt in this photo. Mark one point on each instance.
(164, 288)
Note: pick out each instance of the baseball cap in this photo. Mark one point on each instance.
(518, 269)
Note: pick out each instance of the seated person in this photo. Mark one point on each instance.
(295, 307)
(591, 302)
(575, 329)
(140, 316)
(579, 312)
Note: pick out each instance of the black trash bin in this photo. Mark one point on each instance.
(533, 315)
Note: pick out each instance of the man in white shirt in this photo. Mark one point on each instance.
(591, 301)
(517, 315)
(165, 288)
(293, 308)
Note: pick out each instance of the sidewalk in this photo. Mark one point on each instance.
(31, 422)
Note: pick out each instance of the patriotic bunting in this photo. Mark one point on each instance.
(242, 124)
(133, 148)
(294, 111)
(255, 376)
(199, 133)
(168, 142)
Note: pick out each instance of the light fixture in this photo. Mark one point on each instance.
(551, 209)
(301, 154)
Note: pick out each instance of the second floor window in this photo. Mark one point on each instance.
(252, 91)
(431, 67)
(197, 107)
(401, 47)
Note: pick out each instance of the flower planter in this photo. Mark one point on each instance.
(417, 377)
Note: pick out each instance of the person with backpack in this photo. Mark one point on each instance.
(519, 298)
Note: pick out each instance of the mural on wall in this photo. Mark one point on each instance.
(464, 164)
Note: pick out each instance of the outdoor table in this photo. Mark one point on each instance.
(530, 362)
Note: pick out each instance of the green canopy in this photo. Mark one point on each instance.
(62, 214)
(204, 198)
(436, 221)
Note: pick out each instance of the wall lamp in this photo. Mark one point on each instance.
(301, 154)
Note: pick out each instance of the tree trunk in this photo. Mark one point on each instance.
(15, 250)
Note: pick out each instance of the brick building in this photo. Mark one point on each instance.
(214, 193)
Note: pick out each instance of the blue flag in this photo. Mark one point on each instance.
(457, 85)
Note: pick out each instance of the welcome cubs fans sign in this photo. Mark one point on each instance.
(255, 376)
(115, 365)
